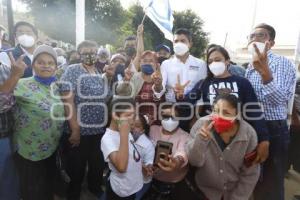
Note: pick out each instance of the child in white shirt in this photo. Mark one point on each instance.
(140, 133)
(121, 153)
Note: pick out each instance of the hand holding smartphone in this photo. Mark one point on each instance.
(162, 151)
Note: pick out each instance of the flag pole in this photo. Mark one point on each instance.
(144, 18)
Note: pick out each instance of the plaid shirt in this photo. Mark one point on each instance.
(275, 95)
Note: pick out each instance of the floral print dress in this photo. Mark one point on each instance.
(39, 117)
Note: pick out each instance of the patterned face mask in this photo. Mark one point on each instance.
(88, 58)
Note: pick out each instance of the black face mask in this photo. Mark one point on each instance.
(119, 71)
(130, 51)
(100, 65)
(161, 59)
(74, 61)
(88, 59)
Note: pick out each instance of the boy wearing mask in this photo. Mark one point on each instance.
(26, 36)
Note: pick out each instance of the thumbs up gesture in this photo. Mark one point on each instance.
(179, 88)
(205, 131)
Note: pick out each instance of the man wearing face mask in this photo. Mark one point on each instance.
(26, 36)
(163, 53)
(84, 93)
(273, 78)
(118, 62)
(134, 47)
(183, 65)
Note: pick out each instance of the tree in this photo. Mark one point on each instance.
(153, 36)
(191, 21)
(57, 19)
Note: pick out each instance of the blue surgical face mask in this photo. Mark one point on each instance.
(45, 81)
(147, 69)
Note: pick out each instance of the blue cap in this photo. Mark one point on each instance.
(162, 46)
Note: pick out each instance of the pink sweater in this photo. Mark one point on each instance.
(179, 139)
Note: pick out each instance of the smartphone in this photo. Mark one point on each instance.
(162, 150)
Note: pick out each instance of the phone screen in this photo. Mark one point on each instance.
(162, 150)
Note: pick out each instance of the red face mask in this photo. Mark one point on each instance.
(222, 125)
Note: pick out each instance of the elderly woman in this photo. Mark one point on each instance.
(141, 86)
(84, 92)
(39, 116)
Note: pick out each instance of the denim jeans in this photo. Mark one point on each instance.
(9, 185)
(271, 183)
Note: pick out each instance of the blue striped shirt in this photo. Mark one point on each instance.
(275, 95)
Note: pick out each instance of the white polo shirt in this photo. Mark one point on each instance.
(193, 70)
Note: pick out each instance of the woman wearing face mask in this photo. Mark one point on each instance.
(222, 151)
(84, 92)
(141, 86)
(168, 177)
(220, 81)
(39, 117)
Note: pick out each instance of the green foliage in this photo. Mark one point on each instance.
(108, 23)
(191, 21)
(153, 36)
(57, 19)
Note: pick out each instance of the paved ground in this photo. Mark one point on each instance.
(292, 186)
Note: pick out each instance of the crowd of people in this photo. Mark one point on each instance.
(146, 124)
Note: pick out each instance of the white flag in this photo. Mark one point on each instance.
(160, 12)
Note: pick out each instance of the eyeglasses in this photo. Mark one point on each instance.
(259, 35)
(136, 154)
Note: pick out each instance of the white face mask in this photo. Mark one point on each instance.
(26, 41)
(180, 48)
(61, 60)
(169, 124)
(217, 68)
(260, 46)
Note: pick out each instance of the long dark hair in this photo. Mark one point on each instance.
(230, 98)
(145, 124)
(212, 49)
